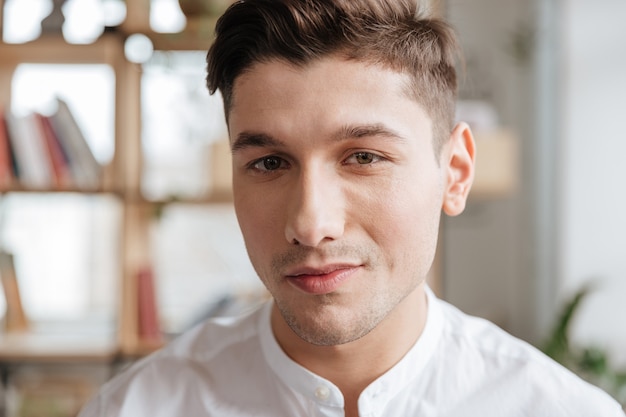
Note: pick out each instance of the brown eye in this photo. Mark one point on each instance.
(271, 163)
(364, 158)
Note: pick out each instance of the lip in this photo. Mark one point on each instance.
(323, 280)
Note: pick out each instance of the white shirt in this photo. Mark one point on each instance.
(461, 366)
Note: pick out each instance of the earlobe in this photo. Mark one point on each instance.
(459, 162)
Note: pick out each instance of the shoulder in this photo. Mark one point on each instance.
(498, 368)
(214, 337)
(201, 357)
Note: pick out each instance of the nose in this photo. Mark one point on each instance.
(315, 210)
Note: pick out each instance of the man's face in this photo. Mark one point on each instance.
(337, 190)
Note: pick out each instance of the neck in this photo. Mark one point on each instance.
(355, 365)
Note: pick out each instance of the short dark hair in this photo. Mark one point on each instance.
(390, 33)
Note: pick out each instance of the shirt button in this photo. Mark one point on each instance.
(322, 392)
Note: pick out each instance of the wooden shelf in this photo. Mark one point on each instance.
(54, 49)
(217, 197)
(43, 347)
(121, 177)
(188, 40)
(140, 348)
(57, 190)
(496, 165)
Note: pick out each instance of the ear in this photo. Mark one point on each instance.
(459, 165)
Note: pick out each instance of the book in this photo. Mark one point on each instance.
(85, 168)
(6, 163)
(15, 318)
(14, 164)
(62, 175)
(29, 150)
(149, 329)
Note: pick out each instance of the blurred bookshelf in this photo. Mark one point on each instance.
(158, 210)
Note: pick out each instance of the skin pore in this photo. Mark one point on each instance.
(338, 194)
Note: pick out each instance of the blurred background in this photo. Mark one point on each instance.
(117, 230)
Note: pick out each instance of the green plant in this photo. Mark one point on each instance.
(591, 363)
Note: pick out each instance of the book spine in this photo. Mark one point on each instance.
(85, 168)
(29, 150)
(6, 163)
(58, 157)
(148, 327)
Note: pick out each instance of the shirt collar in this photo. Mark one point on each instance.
(381, 391)
(292, 374)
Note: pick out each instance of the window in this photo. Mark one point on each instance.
(181, 122)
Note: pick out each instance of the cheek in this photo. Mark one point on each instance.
(404, 221)
(258, 221)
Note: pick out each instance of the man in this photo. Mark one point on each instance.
(345, 152)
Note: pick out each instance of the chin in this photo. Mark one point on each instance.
(330, 328)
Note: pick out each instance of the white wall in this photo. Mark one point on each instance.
(592, 236)
(515, 260)
(490, 269)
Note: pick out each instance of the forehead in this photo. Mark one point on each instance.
(331, 82)
(278, 76)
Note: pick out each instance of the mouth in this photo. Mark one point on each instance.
(323, 280)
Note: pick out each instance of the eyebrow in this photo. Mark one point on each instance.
(254, 140)
(367, 130)
(246, 140)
